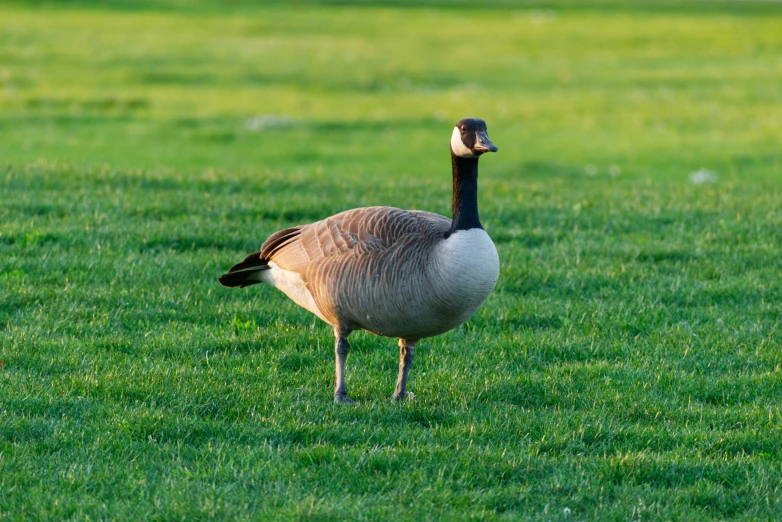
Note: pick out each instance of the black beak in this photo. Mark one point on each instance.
(483, 143)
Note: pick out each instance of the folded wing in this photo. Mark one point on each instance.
(359, 232)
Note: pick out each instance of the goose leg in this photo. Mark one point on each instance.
(341, 348)
(406, 355)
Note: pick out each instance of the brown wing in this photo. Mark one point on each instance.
(360, 231)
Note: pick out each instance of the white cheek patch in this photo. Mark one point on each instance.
(458, 147)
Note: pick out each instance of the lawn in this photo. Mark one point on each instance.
(627, 366)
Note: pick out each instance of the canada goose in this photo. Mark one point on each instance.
(392, 272)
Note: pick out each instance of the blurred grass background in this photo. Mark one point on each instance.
(626, 367)
(135, 86)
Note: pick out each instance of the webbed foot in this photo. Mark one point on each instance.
(407, 396)
(340, 398)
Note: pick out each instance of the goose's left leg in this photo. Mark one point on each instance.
(341, 349)
(406, 355)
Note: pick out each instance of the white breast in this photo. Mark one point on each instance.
(467, 268)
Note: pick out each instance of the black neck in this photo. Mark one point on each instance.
(465, 194)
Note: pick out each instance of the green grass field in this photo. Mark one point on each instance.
(627, 366)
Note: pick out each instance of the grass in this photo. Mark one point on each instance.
(627, 367)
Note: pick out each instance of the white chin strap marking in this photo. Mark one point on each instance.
(458, 147)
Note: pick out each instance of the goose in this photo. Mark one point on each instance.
(405, 274)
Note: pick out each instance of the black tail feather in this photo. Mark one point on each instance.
(245, 273)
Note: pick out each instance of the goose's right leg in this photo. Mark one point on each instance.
(342, 347)
(406, 356)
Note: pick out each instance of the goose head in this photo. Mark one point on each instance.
(470, 139)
